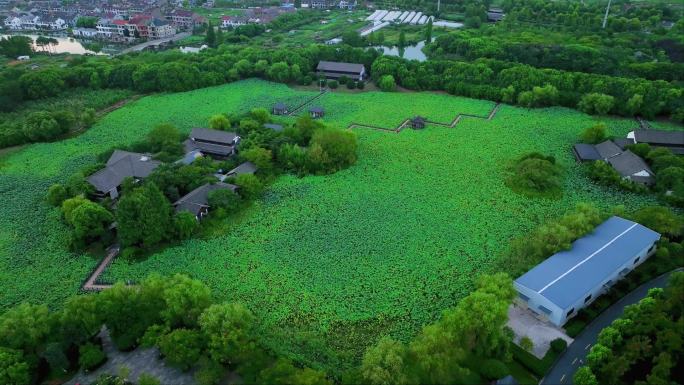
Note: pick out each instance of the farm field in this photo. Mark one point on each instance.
(328, 263)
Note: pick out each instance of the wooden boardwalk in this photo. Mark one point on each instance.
(91, 283)
(407, 121)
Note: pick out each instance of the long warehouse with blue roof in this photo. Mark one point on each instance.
(569, 280)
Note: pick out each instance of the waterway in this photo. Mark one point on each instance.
(412, 52)
(64, 44)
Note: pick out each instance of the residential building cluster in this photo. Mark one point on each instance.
(257, 15)
(119, 21)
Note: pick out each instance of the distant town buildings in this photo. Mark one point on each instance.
(256, 15)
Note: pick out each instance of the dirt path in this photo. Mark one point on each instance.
(407, 122)
(91, 283)
(117, 105)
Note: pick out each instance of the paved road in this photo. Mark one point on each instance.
(141, 46)
(569, 362)
(138, 361)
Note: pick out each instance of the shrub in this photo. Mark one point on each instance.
(90, 356)
(332, 150)
(333, 84)
(209, 372)
(558, 345)
(493, 369)
(594, 134)
(148, 379)
(596, 103)
(250, 186)
(57, 194)
(219, 122)
(361, 85)
(387, 83)
(535, 174)
(41, 126)
(181, 348)
(526, 343)
(223, 199)
(351, 85)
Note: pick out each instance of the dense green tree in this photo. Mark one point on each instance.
(13, 369)
(229, 331)
(279, 72)
(185, 224)
(533, 174)
(90, 221)
(41, 126)
(26, 328)
(219, 122)
(185, 300)
(250, 186)
(660, 219)
(261, 115)
(596, 103)
(584, 376)
(163, 137)
(594, 134)
(261, 157)
(338, 149)
(428, 32)
(223, 199)
(387, 83)
(181, 348)
(210, 38)
(144, 217)
(283, 372)
(385, 363)
(41, 84)
(57, 194)
(13, 46)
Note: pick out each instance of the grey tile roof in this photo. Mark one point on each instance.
(274, 127)
(316, 109)
(608, 149)
(659, 137)
(244, 168)
(198, 198)
(333, 66)
(585, 152)
(628, 163)
(210, 148)
(623, 142)
(122, 164)
(207, 134)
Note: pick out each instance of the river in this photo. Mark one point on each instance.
(64, 45)
(412, 52)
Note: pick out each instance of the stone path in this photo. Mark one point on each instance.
(138, 361)
(407, 122)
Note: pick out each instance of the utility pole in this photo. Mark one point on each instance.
(438, 4)
(605, 17)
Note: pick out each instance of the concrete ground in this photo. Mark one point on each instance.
(525, 324)
(138, 361)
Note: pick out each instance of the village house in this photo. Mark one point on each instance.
(214, 143)
(121, 165)
(86, 33)
(316, 112)
(626, 163)
(280, 109)
(184, 19)
(674, 140)
(556, 289)
(335, 70)
(196, 201)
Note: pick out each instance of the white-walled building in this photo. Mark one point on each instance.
(556, 289)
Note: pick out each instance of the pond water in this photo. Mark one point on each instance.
(412, 52)
(64, 45)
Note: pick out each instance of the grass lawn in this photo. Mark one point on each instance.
(328, 263)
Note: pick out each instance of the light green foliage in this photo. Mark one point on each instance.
(596, 103)
(90, 221)
(185, 300)
(143, 217)
(584, 376)
(250, 186)
(223, 199)
(304, 257)
(387, 83)
(535, 175)
(219, 122)
(261, 157)
(229, 329)
(57, 194)
(186, 224)
(594, 134)
(526, 343)
(385, 363)
(13, 369)
(660, 219)
(148, 379)
(282, 372)
(90, 356)
(25, 327)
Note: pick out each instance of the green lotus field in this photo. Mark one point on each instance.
(328, 263)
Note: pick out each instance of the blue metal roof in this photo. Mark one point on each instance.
(569, 275)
